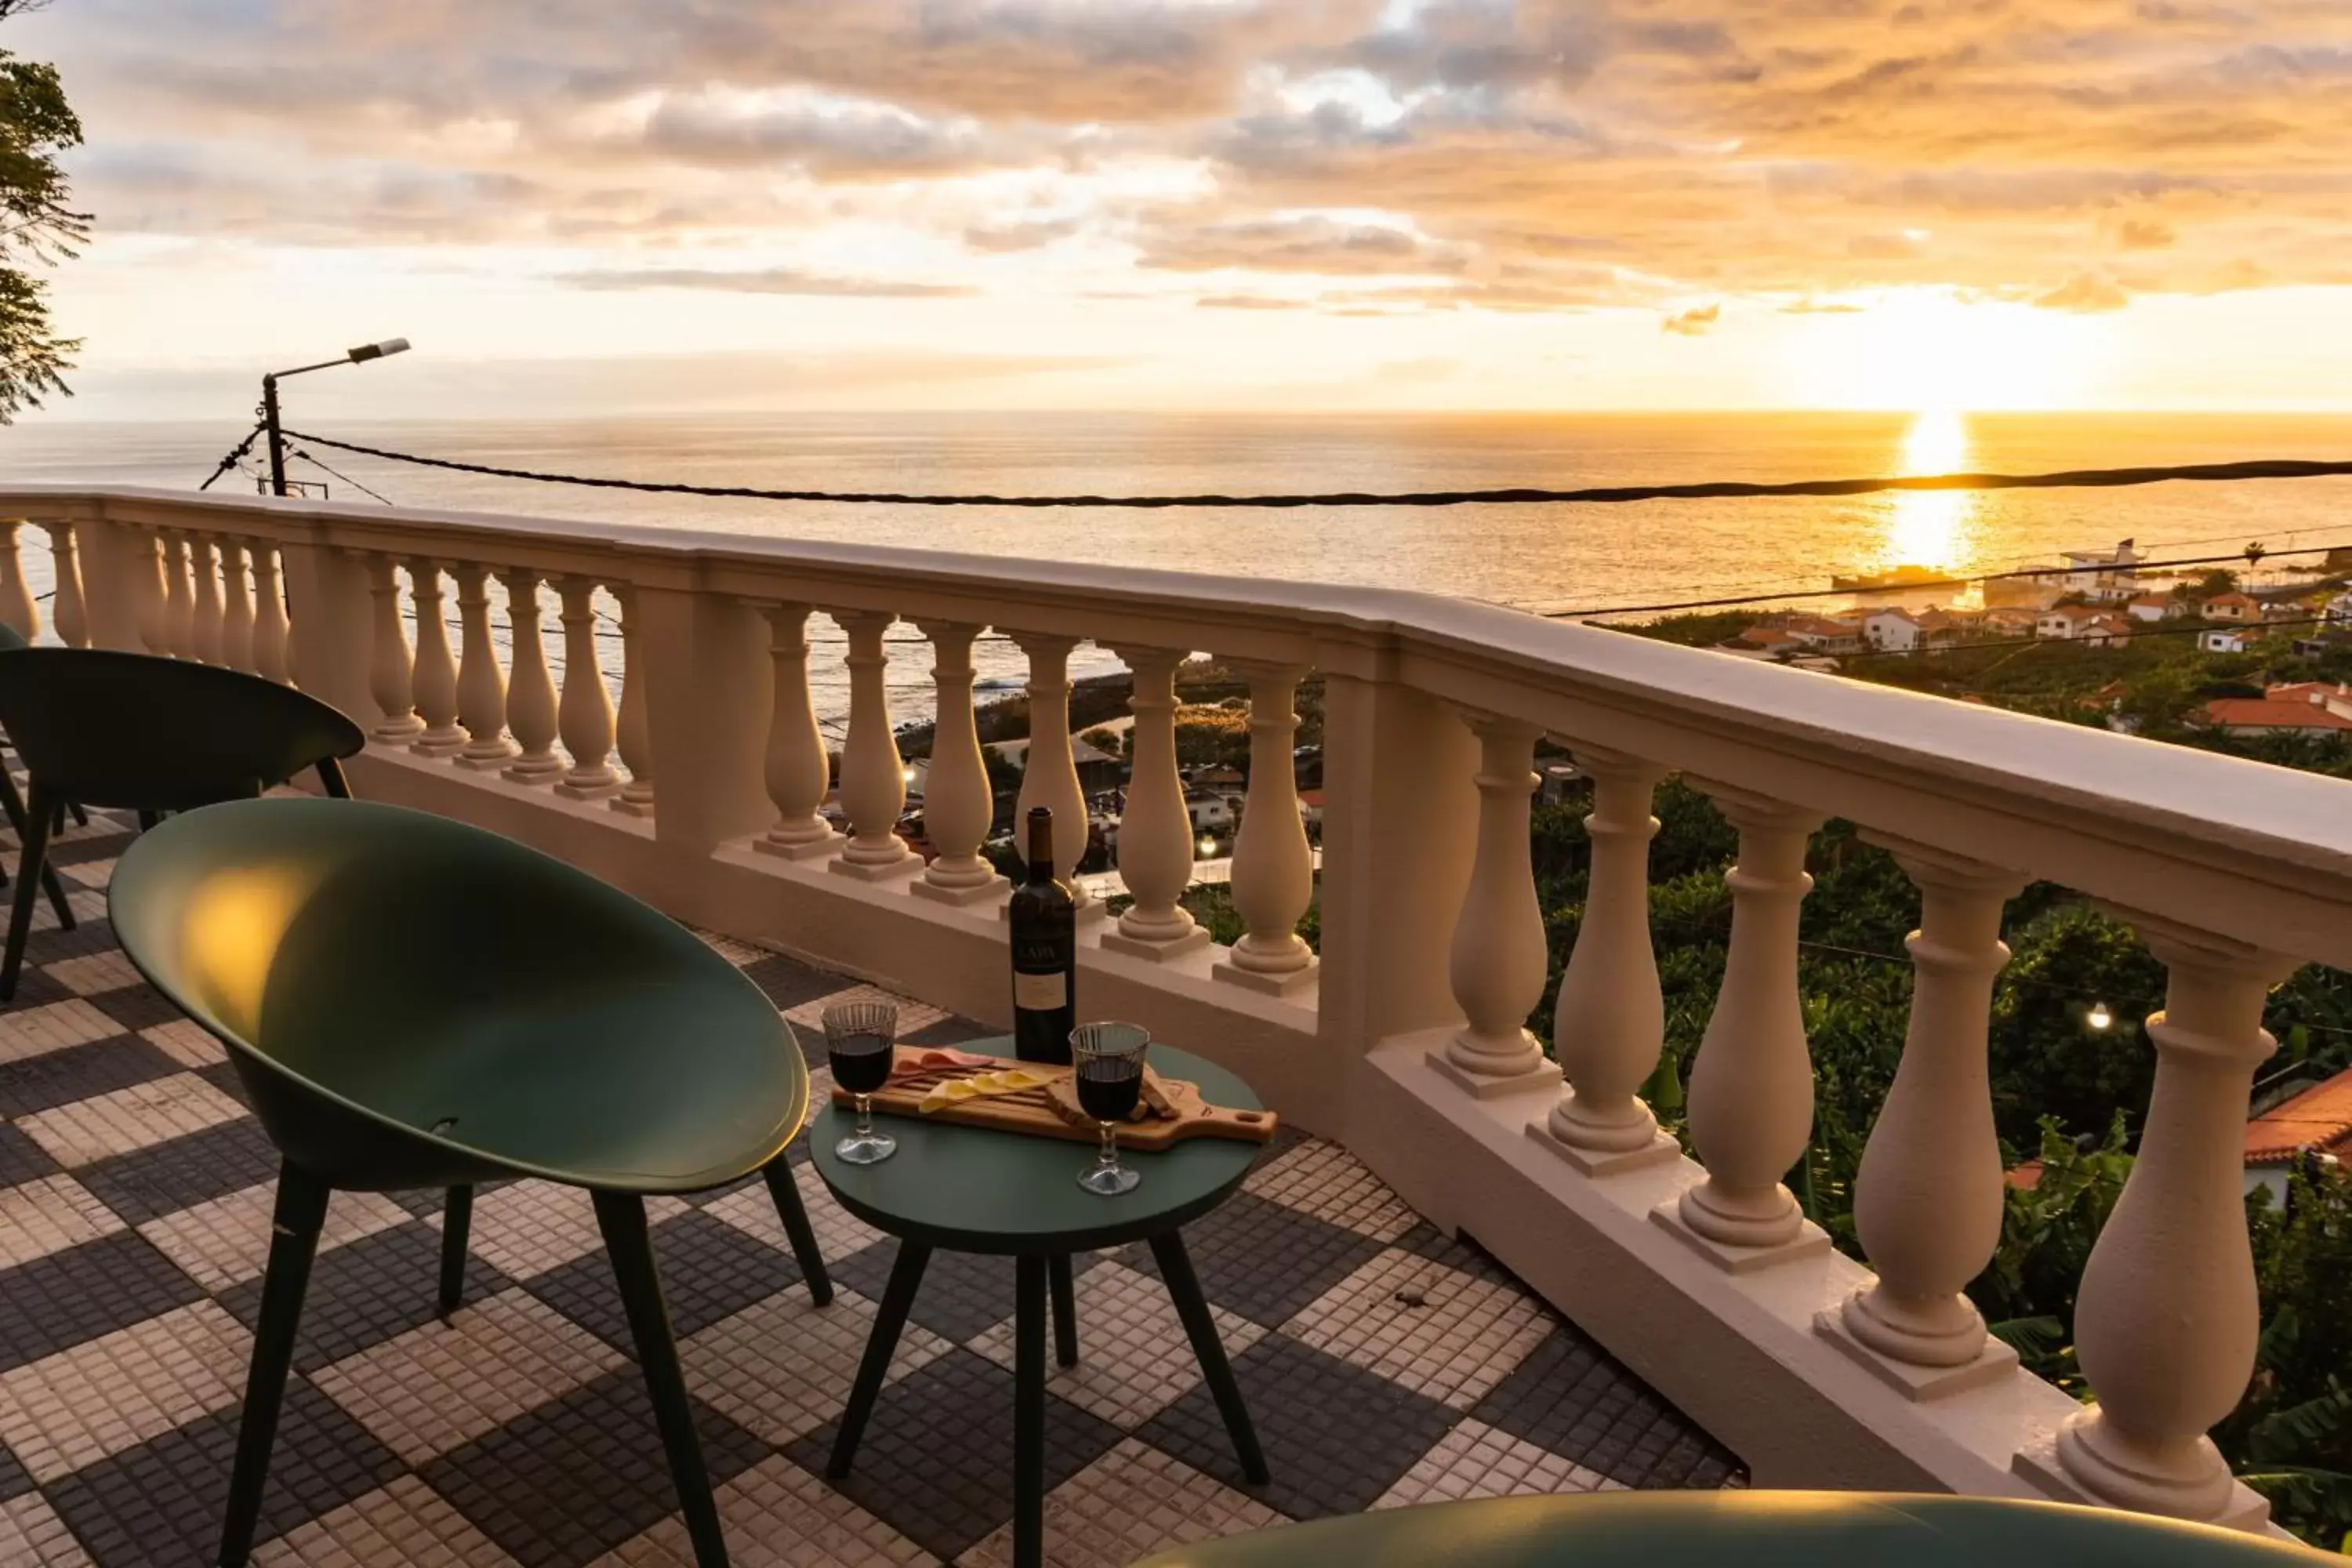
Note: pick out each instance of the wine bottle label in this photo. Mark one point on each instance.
(1045, 992)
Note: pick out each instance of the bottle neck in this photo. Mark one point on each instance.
(1041, 848)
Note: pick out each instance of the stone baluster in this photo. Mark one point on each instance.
(237, 607)
(17, 611)
(72, 609)
(273, 642)
(586, 714)
(1274, 870)
(1751, 1089)
(1155, 831)
(958, 804)
(634, 732)
(799, 773)
(1609, 1020)
(531, 693)
(179, 602)
(204, 627)
(436, 679)
(1498, 956)
(391, 680)
(481, 687)
(1928, 1199)
(2167, 1318)
(873, 776)
(149, 555)
(1049, 777)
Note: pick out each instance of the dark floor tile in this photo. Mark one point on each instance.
(710, 1270)
(1462, 1252)
(182, 1173)
(963, 1294)
(1265, 1261)
(949, 1031)
(50, 946)
(372, 1291)
(83, 847)
(15, 1480)
(67, 1298)
(1569, 1396)
(34, 988)
(223, 1076)
(137, 1007)
(573, 1480)
(21, 1159)
(80, 1073)
(161, 1503)
(1336, 1436)
(789, 982)
(936, 1463)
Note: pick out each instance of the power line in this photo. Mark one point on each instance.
(235, 455)
(2266, 469)
(297, 452)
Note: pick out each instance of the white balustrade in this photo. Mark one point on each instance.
(2167, 1318)
(1274, 870)
(391, 666)
(1609, 1020)
(435, 673)
(958, 806)
(1928, 1198)
(1498, 957)
(237, 607)
(634, 733)
(799, 774)
(586, 714)
(272, 632)
(205, 629)
(481, 686)
(530, 691)
(1155, 830)
(149, 557)
(71, 616)
(1049, 777)
(17, 611)
(873, 776)
(179, 599)
(1751, 1089)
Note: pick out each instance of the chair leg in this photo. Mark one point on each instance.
(621, 1217)
(148, 819)
(32, 874)
(293, 1242)
(456, 1220)
(898, 1298)
(1193, 1310)
(789, 1208)
(1029, 1410)
(81, 817)
(1066, 1309)
(13, 805)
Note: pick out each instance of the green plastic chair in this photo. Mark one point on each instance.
(411, 1002)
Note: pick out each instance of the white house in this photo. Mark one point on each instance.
(2065, 622)
(1891, 630)
(2339, 609)
(2104, 630)
(2151, 607)
(2234, 607)
(2216, 639)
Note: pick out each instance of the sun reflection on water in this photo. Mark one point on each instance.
(1931, 528)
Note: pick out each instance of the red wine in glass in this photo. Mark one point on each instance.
(861, 1063)
(1108, 1088)
(1106, 1070)
(858, 1037)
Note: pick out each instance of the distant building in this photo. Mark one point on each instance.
(2339, 610)
(2316, 1124)
(2263, 716)
(1764, 642)
(2011, 621)
(2106, 631)
(1891, 630)
(2218, 641)
(2066, 622)
(2104, 576)
(2234, 607)
(2152, 607)
(1825, 634)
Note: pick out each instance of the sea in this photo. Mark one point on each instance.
(1544, 558)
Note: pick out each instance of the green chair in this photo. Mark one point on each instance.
(150, 735)
(411, 1002)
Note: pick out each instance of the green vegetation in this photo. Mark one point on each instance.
(36, 225)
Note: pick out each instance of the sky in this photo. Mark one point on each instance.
(675, 206)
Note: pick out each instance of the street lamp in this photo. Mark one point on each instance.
(359, 355)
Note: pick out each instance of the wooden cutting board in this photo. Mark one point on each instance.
(1052, 1109)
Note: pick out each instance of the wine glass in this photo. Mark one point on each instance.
(1107, 1064)
(857, 1041)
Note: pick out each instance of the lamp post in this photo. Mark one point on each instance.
(359, 355)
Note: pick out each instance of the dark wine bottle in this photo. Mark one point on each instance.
(1044, 922)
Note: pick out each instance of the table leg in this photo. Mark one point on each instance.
(1029, 1411)
(898, 1299)
(1192, 1307)
(1066, 1309)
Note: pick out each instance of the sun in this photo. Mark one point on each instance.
(1932, 350)
(1930, 528)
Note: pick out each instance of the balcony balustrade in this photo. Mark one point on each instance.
(1404, 1034)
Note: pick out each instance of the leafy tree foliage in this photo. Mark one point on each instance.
(36, 227)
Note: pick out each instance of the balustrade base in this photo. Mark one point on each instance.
(571, 791)
(628, 807)
(1287, 983)
(1192, 940)
(532, 770)
(910, 865)
(1484, 1086)
(1660, 1150)
(963, 898)
(800, 849)
(1995, 1361)
(491, 764)
(2038, 1463)
(1810, 1241)
(427, 746)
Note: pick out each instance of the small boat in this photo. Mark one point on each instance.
(1907, 577)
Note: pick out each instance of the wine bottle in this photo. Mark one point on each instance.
(1045, 922)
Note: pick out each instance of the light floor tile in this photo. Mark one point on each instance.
(1435, 1329)
(1131, 1502)
(33, 1536)
(738, 953)
(784, 1367)
(777, 1515)
(74, 1408)
(37, 1031)
(406, 1524)
(89, 873)
(527, 1228)
(443, 1384)
(839, 1233)
(94, 973)
(227, 1241)
(1326, 1181)
(912, 1015)
(1133, 1357)
(92, 1130)
(49, 1215)
(87, 903)
(1476, 1460)
(185, 1043)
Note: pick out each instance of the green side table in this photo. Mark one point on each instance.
(972, 1189)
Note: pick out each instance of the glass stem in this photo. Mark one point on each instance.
(865, 1116)
(1109, 1159)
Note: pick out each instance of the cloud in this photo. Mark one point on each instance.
(1820, 308)
(1250, 302)
(2143, 233)
(2086, 292)
(1024, 234)
(1307, 244)
(763, 280)
(1695, 322)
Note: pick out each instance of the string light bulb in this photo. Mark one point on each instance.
(2099, 1017)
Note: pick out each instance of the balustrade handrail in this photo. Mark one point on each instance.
(2240, 849)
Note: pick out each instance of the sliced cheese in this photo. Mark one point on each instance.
(956, 1091)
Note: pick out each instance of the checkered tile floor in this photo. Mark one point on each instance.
(1384, 1363)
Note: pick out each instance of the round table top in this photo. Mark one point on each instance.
(1753, 1529)
(976, 1189)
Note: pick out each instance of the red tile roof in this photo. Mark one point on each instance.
(2319, 1118)
(2262, 713)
